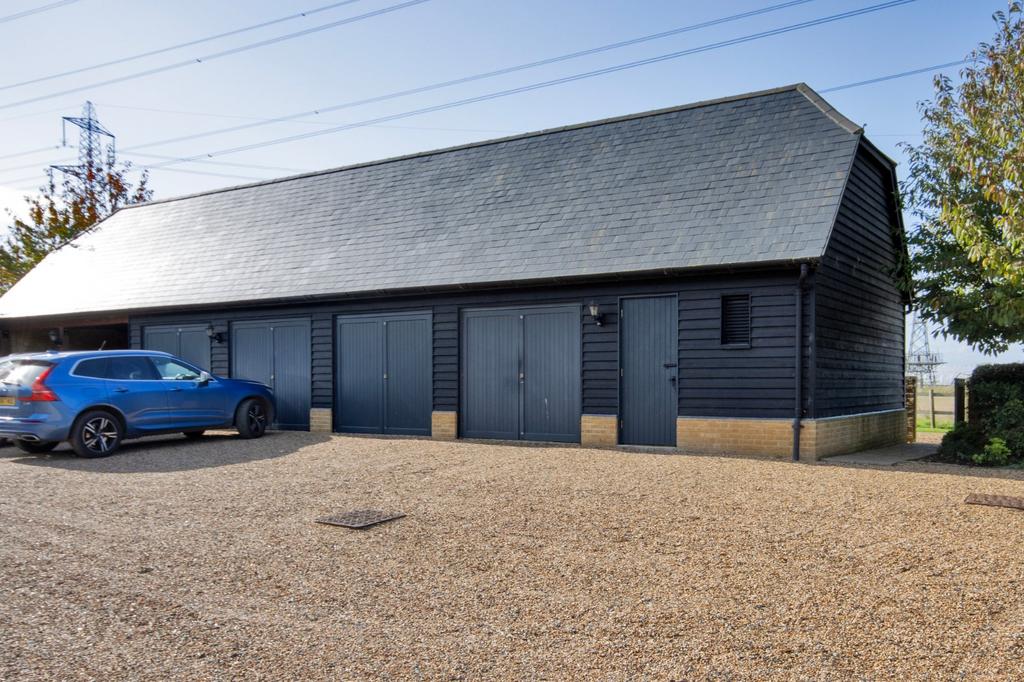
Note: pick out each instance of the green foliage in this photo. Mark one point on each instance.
(992, 386)
(995, 434)
(966, 192)
(995, 454)
(63, 211)
(962, 443)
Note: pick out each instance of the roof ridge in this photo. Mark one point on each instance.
(799, 87)
(829, 110)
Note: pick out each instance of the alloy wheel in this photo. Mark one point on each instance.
(100, 435)
(257, 418)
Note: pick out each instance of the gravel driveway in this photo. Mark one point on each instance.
(201, 561)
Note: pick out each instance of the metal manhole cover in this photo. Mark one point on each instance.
(359, 518)
(996, 500)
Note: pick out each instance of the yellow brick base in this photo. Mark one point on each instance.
(840, 435)
(773, 438)
(320, 420)
(444, 425)
(599, 430)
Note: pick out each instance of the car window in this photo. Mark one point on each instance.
(25, 372)
(95, 368)
(131, 367)
(172, 369)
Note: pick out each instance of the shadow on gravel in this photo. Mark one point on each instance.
(162, 454)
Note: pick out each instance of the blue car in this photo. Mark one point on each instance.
(97, 399)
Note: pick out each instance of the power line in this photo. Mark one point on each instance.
(29, 152)
(252, 166)
(210, 114)
(543, 84)
(893, 76)
(846, 86)
(190, 43)
(218, 55)
(435, 86)
(36, 10)
(476, 77)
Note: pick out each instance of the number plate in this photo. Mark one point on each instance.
(7, 401)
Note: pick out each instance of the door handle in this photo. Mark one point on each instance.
(120, 389)
(176, 389)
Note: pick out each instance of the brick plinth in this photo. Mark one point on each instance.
(320, 420)
(599, 430)
(773, 438)
(851, 433)
(444, 425)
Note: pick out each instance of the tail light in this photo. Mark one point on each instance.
(41, 393)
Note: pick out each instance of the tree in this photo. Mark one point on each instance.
(64, 209)
(966, 192)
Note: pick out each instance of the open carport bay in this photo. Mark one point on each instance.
(202, 561)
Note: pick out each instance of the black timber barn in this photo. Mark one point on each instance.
(715, 277)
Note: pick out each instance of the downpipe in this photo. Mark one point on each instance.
(798, 400)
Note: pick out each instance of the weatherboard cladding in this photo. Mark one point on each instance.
(859, 317)
(713, 381)
(755, 179)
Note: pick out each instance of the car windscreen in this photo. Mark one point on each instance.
(24, 372)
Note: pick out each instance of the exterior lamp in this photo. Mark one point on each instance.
(213, 334)
(55, 339)
(595, 312)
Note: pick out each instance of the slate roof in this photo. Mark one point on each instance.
(750, 179)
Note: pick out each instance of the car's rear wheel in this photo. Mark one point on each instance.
(251, 418)
(96, 434)
(35, 448)
(194, 435)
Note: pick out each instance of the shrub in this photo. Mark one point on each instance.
(1008, 424)
(961, 444)
(992, 386)
(995, 454)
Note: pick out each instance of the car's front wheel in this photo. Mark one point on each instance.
(96, 434)
(36, 448)
(251, 418)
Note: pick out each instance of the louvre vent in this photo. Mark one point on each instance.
(736, 320)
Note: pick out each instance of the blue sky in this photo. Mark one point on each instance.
(432, 41)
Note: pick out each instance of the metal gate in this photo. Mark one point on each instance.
(276, 353)
(188, 342)
(648, 355)
(521, 374)
(384, 374)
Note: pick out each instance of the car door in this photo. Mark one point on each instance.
(191, 402)
(137, 391)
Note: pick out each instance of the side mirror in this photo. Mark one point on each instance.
(204, 378)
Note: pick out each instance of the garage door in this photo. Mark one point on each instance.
(188, 342)
(384, 366)
(276, 353)
(521, 374)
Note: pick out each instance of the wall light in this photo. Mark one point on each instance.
(214, 334)
(595, 312)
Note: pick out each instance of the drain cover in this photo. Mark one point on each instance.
(996, 500)
(360, 518)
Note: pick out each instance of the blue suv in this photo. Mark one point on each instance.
(97, 399)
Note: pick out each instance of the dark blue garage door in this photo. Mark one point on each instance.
(276, 353)
(521, 374)
(385, 369)
(188, 342)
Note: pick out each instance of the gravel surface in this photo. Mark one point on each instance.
(202, 561)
